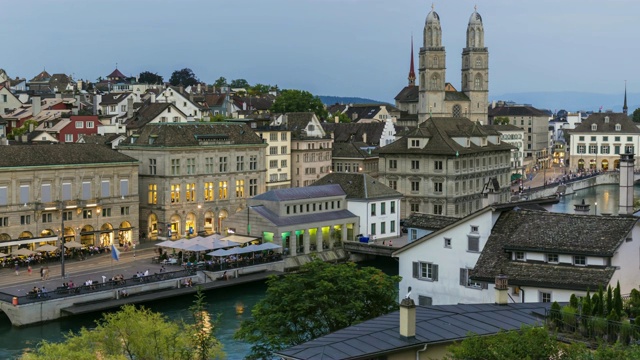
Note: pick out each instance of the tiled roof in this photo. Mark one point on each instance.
(358, 186)
(214, 99)
(503, 110)
(262, 103)
(428, 221)
(147, 112)
(43, 76)
(301, 193)
(113, 98)
(59, 154)
(408, 94)
(296, 122)
(99, 139)
(320, 216)
(349, 150)
(362, 112)
(544, 232)
(347, 132)
(192, 134)
(336, 108)
(440, 132)
(116, 74)
(501, 128)
(380, 338)
(627, 125)
(455, 96)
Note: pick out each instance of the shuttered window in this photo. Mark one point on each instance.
(467, 282)
(474, 244)
(425, 271)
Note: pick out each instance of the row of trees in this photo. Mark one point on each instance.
(187, 77)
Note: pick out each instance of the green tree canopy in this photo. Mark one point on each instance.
(186, 77)
(239, 83)
(137, 333)
(318, 300)
(16, 132)
(147, 77)
(342, 117)
(501, 120)
(259, 89)
(299, 101)
(636, 115)
(222, 81)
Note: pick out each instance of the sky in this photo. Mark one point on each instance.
(328, 47)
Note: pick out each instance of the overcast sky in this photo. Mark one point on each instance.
(329, 47)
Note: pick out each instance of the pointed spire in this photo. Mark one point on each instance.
(625, 109)
(412, 73)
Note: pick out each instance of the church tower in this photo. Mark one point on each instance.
(412, 73)
(475, 70)
(625, 109)
(432, 70)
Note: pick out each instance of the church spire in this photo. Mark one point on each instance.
(625, 109)
(412, 73)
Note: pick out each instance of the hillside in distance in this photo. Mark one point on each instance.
(572, 100)
(330, 100)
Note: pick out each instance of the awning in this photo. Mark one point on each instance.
(240, 239)
(29, 241)
(515, 177)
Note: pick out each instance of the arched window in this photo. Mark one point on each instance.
(466, 61)
(465, 79)
(434, 82)
(477, 83)
(478, 62)
(435, 61)
(472, 38)
(457, 111)
(429, 35)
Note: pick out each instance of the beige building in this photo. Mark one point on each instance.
(514, 136)
(8, 101)
(442, 166)
(310, 148)
(194, 175)
(278, 156)
(89, 190)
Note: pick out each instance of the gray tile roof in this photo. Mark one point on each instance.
(349, 150)
(347, 132)
(147, 112)
(440, 132)
(504, 110)
(322, 216)
(627, 126)
(428, 221)
(301, 193)
(59, 154)
(113, 98)
(379, 337)
(455, 96)
(544, 232)
(358, 186)
(296, 122)
(192, 134)
(408, 94)
(500, 128)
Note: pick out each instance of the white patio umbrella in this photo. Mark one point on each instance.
(178, 244)
(3, 255)
(166, 243)
(72, 244)
(46, 247)
(196, 247)
(269, 246)
(23, 251)
(218, 253)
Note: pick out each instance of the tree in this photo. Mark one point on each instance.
(217, 118)
(205, 343)
(239, 83)
(342, 117)
(318, 300)
(636, 115)
(259, 89)
(17, 132)
(147, 77)
(222, 81)
(501, 120)
(184, 77)
(130, 333)
(299, 101)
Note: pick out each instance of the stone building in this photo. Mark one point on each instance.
(194, 175)
(89, 190)
(442, 166)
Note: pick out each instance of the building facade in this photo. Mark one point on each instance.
(514, 136)
(194, 175)
(311, 148)
(89, 190)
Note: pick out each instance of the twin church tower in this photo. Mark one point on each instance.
(437, 98)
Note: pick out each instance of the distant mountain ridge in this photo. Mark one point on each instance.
(573, 100)
(330, 100)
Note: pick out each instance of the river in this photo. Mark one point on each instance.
(13, 341)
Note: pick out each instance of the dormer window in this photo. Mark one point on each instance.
(594, 127)
(618, 127)
(606, 119)
(415, 143)
(310, 128)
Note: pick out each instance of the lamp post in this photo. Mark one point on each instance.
(62, 240)
(596, 210)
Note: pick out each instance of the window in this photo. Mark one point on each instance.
(273, 164)
(124, 187)
(283, 150)
(473, 243)
(253, 162)
(383, 227)
(24, 194)
(273, 150)
(175, 166)
(153, 194)
(465, 280)
(87, 214)
(67, 215)
(47, 218)
(593, 149)
(580, 260)
(581, 138)
(447, 243)
(392, 226)
(415, 186)
(437, 209)
(86, 190)
(4, 221)
(424, 300)
(605, 138)
(437, 187)
(393, 184)
(545, 297)
(604, 149)
(393, 164)
(45, 193)
(190, 192)
(437, 165)
(175, 193)
(106, 212)
(415, 143)
(152, 166)
(273, 137)
(616, 149)
(283, 163)
(79, 125)
(629, 138)
(373, 229)
(239, 188)
(222, 190)
(618, 127)
(383, 208)
(474, 228)
(415, 164)
(373, 209)
(25, 219)
(68, 137)
(415, 207)
(223, 164)
(253, 187)
(124, 210)
(519, 256)
(628, 149)
(239, 163)
(617, 138)
(552, 258)
(89, 124)
(425, 271)
(208, 191)
(191, 166)
(413, 234)
(283, 136)
(208, 165)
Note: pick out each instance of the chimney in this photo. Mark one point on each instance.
(130, 107)
(407, 319)
(76, 108)
(364, 137)
(491, 192)
(626, 184)
(199, 88)
(191, 96)
(153, 97)
(337, 119)
(36, 105)
(502, 290)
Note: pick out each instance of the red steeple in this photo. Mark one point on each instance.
(412, 73)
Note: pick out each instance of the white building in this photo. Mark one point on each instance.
(184, 102)
(514, 136)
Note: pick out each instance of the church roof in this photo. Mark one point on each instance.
(433, 17)
(116, 74)
(475, 19)
(455, 96)
(408, 94)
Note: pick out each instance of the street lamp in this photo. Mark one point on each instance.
(596, 210)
